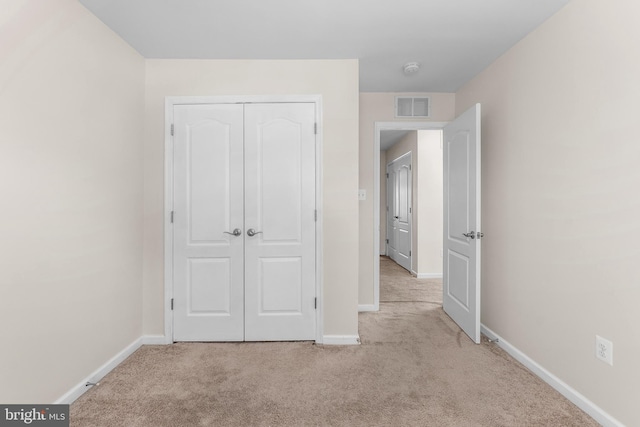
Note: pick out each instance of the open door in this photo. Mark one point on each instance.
(399, 187)
(462, 227)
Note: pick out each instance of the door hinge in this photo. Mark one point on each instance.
(387, 241)
(171, 217)
(315, 128)
(315, 215)
(172, 130)
(387, 175)
(409, 210)
(171, 303)
(409, 167)
(315, 303)
(409, 253)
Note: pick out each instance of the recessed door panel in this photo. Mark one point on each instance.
(208, 180)
(279, 180)
(209, 286)
(458, 289)
(403, 194)
(280, 286)
(458, 174)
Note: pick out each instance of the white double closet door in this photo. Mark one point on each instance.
(248, 168)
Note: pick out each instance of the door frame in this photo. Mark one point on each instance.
(380, 126)
(170, 102)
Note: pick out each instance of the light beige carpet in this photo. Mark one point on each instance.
(414, 368)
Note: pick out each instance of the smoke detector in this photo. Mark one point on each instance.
(411, 68)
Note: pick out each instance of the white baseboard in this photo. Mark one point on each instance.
(341, 340)
(367, 307)
(428, 275)
(77, 391)
(155, 340)
(563, 388)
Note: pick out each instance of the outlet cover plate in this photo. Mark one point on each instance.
(604, 350)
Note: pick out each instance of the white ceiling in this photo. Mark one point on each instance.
(453, 40)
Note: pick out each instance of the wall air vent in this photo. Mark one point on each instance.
(410, 106)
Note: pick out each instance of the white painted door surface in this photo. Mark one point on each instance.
(391, 221)
(462, 227)
(400, 210)
(208, 187)
(245, 167)
(280, 208)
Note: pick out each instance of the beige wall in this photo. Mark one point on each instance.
(429, 210)
(71, 107)
(337, 82)
(560, 198)
(379, 107)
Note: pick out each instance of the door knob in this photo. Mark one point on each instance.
(471, 234)
(235, 232)
(396, 217)
(251, 232)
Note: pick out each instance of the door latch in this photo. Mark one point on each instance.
(251, 232)
(235, 232)
(473, 234)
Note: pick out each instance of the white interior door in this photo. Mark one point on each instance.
(208, 186)
(280, 209)
(244, 222)
(462, 227)
(391, 209)
(399, 219)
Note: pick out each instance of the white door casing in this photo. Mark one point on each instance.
(399, 216)
(244, 167)
(462, 225)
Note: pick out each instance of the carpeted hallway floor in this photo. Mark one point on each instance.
(414, 368)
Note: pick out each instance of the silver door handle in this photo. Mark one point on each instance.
(251, 232)
(235, 232)
(471, 234)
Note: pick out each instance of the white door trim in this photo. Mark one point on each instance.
(380, 126)
(170, 102)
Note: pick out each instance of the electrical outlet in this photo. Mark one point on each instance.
(604, 350)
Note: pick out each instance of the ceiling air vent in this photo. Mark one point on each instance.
(409, 106)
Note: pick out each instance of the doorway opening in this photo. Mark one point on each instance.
(461, 164)
(392, 140)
